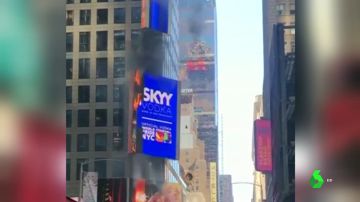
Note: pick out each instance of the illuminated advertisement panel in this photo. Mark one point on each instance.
(213, 182)
(157, 116)
(155, 15)
(263, 147)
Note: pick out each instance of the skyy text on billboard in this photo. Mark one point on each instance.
(157, 116)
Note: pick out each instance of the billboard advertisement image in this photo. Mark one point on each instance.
(155, 15)
(263, 146)
(157, 116)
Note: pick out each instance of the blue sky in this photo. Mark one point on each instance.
(240, 61)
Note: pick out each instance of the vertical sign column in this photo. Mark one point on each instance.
(213, 182)
(263, 146)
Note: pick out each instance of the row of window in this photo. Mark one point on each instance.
(101, 142)
(100, 165)
(101, 120)
(281, 8)
(101, 94)
(101, 68)
(101, 41)
(89, 1)
(102, 16)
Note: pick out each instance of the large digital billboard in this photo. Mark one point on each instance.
(157, 116)
(155, 15)
(263, 145)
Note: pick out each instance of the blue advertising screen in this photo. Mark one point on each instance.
(159, 14)
(157, 116)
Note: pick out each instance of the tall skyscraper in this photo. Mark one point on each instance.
(225, 189)
(192, 151)
(105, 45)
(198, 62)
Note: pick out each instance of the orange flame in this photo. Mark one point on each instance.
(137, 101)
(138, 77)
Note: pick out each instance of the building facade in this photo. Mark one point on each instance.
(104, 46)
(192, 151)
(279, 94)
(225, 189)
(281, 182)
(198, 66)
(276, 11)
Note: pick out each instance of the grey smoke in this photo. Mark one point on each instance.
(196, 21)
(148, 52)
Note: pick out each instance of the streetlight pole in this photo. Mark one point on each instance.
(254, 184)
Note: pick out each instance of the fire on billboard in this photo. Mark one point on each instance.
(157, 116)
(154, 116)
(137, 96)
(263, 145)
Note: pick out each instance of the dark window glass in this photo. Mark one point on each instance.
(102, 0)
(85, 1)
(68, 143)
(85, 17)
(100, 117)
(117, 117)
(69, 68)
(101, 41)
(117, 93)
(68, 118)
(83, 118)
(118, 169)
(68, 94)
(135, 34)
(292, 9)
(117, 142)
(100, 168)
(69, 42)
(84, 68)
(100, 142)
(135, 14)
(135, 38)
(119, 67)
(69, 1)
(119, 15)
(78, 167)
(68, 169)
(84, 42)
(101, 93)
(119, 40)
(101, 67)
(84, 94)
(69, 18)
(83, 142)
(102, 16)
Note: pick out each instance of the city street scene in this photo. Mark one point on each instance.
(151, 101)
(180, 100)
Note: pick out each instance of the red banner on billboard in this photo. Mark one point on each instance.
(263, 146)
